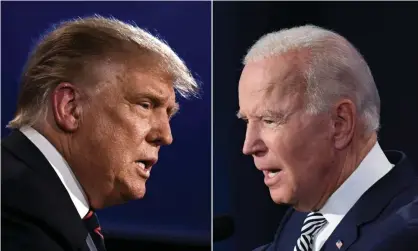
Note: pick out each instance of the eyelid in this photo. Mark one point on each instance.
(269, 119)
(275, 120)
(148, 102)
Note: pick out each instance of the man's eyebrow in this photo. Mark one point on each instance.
(240, 115)
(264, 113)
(273, 113)
(173, 110)
(154, 97)
(159, 100)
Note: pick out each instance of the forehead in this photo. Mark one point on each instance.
(271, 81)
(148, 81)
(125, 81)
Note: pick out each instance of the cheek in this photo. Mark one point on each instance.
(299, 148)
(286, 144)
(114, 134)
(125, 126)
(140, 127)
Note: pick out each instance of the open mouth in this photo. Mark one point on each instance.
(271, 173)
(271, 177)
(145, 166)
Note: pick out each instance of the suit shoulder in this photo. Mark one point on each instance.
(408, 214)
(12, 168)
(31, 236)
(402, 202)
(21, 185)
(403, 230)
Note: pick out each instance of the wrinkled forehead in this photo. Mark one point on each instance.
(121, 79)
(277, 77)
(120, 65)
(151, 81)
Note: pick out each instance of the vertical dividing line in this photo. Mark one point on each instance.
(211, 123)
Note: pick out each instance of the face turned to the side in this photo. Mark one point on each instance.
(294, 149)
(122, 127)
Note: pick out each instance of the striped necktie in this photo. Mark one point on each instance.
(311, 226)
(92, 224)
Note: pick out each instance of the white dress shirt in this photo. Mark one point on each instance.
(373, 167)
(61, 168)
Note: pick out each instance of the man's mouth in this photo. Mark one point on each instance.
(145, 166)
(272, 176)
(273, 173)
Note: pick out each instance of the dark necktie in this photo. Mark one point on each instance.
(92, 224)
(311, 226)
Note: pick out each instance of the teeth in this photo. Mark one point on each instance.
(272, 174)
(142, 165)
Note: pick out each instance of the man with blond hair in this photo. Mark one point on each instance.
(312, 112)
(94, 108)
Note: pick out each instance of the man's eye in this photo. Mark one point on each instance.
(268, 121)
(146, 105)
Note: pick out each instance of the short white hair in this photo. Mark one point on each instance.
(335, 69)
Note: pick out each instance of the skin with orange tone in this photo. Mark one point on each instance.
(103, 130)
(314, 153)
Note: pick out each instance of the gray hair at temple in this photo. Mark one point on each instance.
(334, 69)
(73, 48)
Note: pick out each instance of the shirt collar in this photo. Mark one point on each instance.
(373, 167)
(61, 167)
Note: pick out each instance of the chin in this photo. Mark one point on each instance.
(138, 191)
(140, 194)
(131, 193)
(279, 196)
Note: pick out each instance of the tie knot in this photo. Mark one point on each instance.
(91, 219)
(89, 215)
(313, 223)
(311, 226)
(92, 223)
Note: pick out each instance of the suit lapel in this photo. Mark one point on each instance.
(49, 202)
(372, 203)
(288, 231)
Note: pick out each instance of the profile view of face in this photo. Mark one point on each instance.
(123, 126)
(292, 148)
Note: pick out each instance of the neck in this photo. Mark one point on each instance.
(347, 163)
(61, 141)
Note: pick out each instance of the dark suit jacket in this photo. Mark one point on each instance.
(36, 210)
(385, 218)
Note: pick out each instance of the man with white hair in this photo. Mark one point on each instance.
(94, 109)
(312, 113)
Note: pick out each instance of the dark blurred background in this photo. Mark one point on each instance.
(386, 33)
(176, 211)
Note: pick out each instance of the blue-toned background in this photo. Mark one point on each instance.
(177, 206)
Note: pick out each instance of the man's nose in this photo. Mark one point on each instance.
(253, 142)
(161, 132)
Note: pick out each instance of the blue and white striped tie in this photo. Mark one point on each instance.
(311, 226)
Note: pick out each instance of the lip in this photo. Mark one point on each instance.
(149, 163)
(271, 181)
(145, 174)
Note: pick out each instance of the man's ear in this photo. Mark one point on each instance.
(344, 122)
(66, 106)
